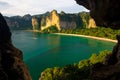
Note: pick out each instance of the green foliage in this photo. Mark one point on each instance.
(85, 18)
(51, 29)
(99, 58)
(62, 13)
(83, 63)
(78, 71)
(98, 32)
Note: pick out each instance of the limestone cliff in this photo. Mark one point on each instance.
(70, 21)
(92, 23)
(19, 22)
(52, 19)
(60, 20)
(12, 66)
(35, 23)
(67, 21)
(88, 22)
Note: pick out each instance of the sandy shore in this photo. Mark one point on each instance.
(98, 38)
(32, 30)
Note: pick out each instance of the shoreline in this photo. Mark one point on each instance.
(92, 37)
(78, 35)
(32, 30)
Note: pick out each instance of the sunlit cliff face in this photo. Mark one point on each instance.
(92, 23)
(52, 20)
(35, 24)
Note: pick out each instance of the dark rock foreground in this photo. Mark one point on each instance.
(105, 12)
(12, 66)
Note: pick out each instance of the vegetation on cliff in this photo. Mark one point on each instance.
(67, 21)
(71, 18)
(85, 16)
(61, 20)
(36, 23)
(50, 29)
(77, 71)
(64, 20)
(19, 22)
(98, 32)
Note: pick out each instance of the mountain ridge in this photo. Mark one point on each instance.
(37, 22)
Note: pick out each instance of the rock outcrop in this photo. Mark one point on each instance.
(110, 69)
(52, 19)
(19, 22)
(87, 20)
(35, 23)
(105, 12)
(63, 20)
(12, 66)
(92, 23)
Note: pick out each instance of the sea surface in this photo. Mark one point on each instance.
(43, 51)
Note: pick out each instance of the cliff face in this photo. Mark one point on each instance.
(105, 12)
(18, 22)
(68, 25)
(55, 19)
(12, 66)
(35, 23)
(87, 20)
(92, 23)
(42, 21)
(52, 19)
(64, 21)
(70, 21)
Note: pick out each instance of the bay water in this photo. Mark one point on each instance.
(43, 51)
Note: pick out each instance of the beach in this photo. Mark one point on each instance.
(98, 38)
(92, 37)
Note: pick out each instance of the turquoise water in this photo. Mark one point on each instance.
(48, 50)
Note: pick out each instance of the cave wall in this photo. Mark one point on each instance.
(105, 12)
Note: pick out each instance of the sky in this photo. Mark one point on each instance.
(22, 7)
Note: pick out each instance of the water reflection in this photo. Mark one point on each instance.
(35, 35)
(53, 40)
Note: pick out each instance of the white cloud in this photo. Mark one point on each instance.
(4, 5)
(21, 7)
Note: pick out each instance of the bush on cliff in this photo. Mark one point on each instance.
(51, 29)
(98, 32)
(78, 71)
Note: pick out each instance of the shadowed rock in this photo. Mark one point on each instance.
(12, 66)
(105, 12)
(5, 34)
(110, 70)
